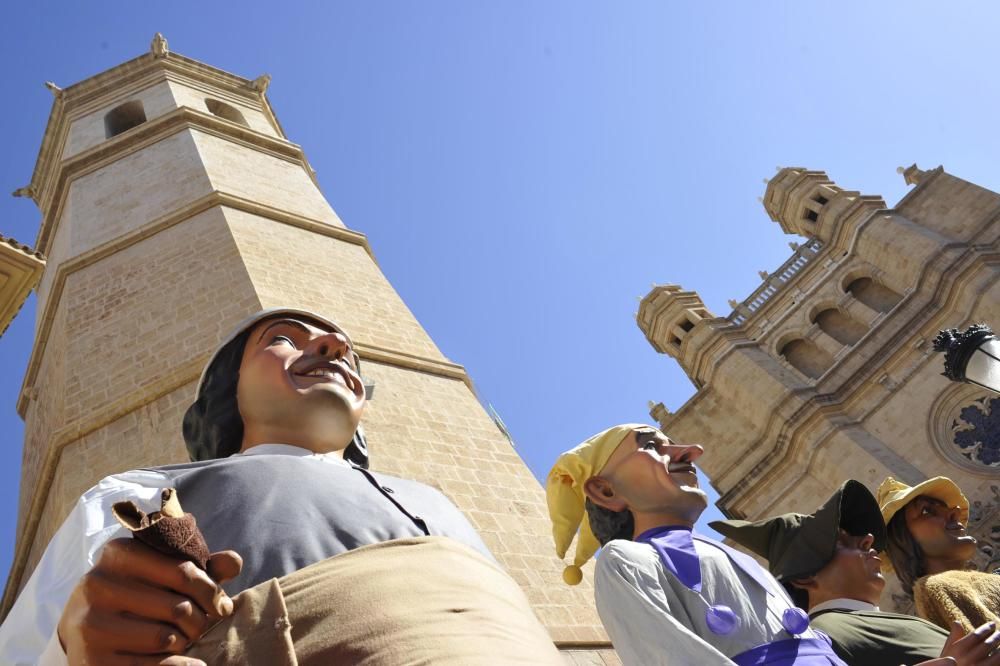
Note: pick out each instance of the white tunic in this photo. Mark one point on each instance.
(653, 618)
(28, 635)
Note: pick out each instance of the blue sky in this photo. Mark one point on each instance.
(525, 170)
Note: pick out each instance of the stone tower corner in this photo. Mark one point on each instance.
(668, 316)
(809, 204)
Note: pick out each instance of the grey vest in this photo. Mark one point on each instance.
(282, 513)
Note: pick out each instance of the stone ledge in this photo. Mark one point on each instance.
(50, 188)
(88, 92)
(156, 226)
(20, 269)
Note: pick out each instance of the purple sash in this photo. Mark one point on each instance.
(674, 544)
(791, 652)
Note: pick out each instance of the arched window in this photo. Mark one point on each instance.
(840, 326)
(807, 358)
(123, 118)
(227, 111)
(876, 296)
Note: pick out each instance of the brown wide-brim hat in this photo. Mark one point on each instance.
(798, 545)
(893, 495)
(207, 440)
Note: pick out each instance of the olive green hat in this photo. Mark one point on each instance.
(798, 545)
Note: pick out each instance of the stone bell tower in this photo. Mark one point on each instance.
(826, 372)
(173, 206)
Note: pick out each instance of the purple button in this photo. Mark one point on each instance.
(721, 620)
(794, 620)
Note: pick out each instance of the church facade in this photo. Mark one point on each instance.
(173, 206)
(827, 371)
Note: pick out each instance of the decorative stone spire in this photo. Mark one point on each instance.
(261, 83)
(667, 316)
(911, 174)
(158, 47)
(659, 413)
(809, 204)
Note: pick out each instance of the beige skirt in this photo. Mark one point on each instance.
(427, 600)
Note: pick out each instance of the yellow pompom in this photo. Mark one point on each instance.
(572, 575)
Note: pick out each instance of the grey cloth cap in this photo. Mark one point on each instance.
(798, 545)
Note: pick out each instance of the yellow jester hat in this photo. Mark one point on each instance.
(566, 500)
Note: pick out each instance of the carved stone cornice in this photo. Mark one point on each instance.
(52, 198)
(951, 276)
(98, 90)
(20, 269)
(211, 200)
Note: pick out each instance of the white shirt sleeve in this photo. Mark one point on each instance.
(27, 635)
(636, 614)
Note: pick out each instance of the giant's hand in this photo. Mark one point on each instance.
(980, 647)
(139, 606)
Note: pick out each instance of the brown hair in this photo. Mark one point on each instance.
(608, 525)
(905, 553)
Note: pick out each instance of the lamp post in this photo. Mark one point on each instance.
(971, 356)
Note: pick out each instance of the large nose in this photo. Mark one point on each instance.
(684, 452)
(331, 345)
(956, 514)
(866, 542)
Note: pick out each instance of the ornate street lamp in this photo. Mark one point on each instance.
(971, 356)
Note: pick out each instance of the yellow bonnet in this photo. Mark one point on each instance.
(566, 499)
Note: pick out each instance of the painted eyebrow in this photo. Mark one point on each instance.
(279, 322)
(297, 324)
(642, 435)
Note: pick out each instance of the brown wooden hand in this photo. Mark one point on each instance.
(139, 605)
(980, 647)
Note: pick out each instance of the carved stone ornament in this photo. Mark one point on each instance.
(261, 83)
(159, 46)
(984, 524)
(976, 431)
(964, 426)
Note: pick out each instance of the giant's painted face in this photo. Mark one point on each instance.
(648, 473)
(939, 529)
(298, 385)
(854, 572)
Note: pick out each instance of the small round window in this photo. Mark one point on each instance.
(965, 426)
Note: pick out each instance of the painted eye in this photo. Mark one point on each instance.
(649, 446)
(281, 339)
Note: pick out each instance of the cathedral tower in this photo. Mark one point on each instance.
(826, 372)
(173, 205)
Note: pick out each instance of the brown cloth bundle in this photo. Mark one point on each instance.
(169, 530)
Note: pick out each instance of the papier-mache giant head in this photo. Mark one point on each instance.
(290, 376)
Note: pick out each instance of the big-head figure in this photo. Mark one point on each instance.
(829, 562)
(932, 553)
(666, 594)
(280, 486)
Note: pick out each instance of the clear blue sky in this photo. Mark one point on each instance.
(525, 170)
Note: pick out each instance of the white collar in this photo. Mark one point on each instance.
(844, 604)
(290, 450)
